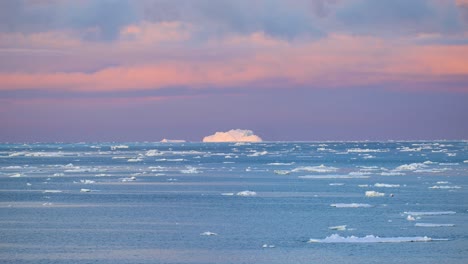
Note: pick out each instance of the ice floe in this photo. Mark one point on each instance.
(190, 170)
(208, 233)
(433, 225)
(445, 187)
(385, 185)
(430, 213)
(281, 172)
(87, 181)
(321, 168)
(246, 193)
(234, 135)
(165, 140)
(119, 147)
(332, 177)
(350, 205)
(411, 167)
(335, 238)
(359, 150)
(268, 246)
(15, 175)
(338, 228)
(410, 218)
(52, 191)
(374, 194)
(153, 152)
(85, 190)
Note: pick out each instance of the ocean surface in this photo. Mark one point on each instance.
(270, 202)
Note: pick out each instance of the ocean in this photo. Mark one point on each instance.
(269, 202)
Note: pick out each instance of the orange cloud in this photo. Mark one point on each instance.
(257, 60)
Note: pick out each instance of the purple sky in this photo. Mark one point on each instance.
(182, 69)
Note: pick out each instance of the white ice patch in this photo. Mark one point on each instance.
(374, 194)
(135, 160)
(190, 170)
(336, 184)
(119, 147)
(133, 178)
(208, 233)
(392, 174)
(153, 152)
(257, 154)
(15, 175)
(87, 181)
(359, 150)
(227, 194)
(445, 187)
(335, 238)
(351, 205)
(338, 228)
(246, 193)
(332, 177)
(52, 191)
(385, 185)
(433, 225)
(85, 190)
(281, 172)
(430, 213)
(320, 169)
(411, 167)
(280, 164)
(268, 246)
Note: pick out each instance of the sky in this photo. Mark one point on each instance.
(295, 70)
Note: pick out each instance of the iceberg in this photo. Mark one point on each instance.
(233, 135)
(208, 233)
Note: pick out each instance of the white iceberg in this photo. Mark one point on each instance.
(234, 135)
(85, 190)
(335, 238)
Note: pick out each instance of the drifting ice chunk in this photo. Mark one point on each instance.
(320, 168)
(246, 193)
(351, 205)
(410, 218)
(430, 213)
(85, 190)
(153, 152)
(208, 233)
(281, 172)
(433, 225)
(119, 147)
(52, 191)
(234, 135)
(268, 246)
(339, 228)
(335, 238)
(374, 194)
(384, 185)
(172, 141)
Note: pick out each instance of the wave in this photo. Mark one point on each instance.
(332, 177)
(433, 225)
(374, 194)
(320, 168)
(385, 185)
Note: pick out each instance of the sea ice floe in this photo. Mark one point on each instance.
(374, 194)
(385, 185)
(281, 172)
(445, 187)
(268, 246)
(85, 190)
(15, 175)
(410, 218)
(392, 173)
(320, 169)
(430, 213)
(280, 164)
(118, 147)
(227, 194)
(359, 150)
(52, 191)
(190, 170)
(87, 181)
(433, 225)
(208, 233)
(338, 228)
(350, 205)
(410, 167)
(332, 177)
(135, 160)
(336, 184)
(133, 178)
(153, 152)
(335, 238)
(246, 193)
(257, 154)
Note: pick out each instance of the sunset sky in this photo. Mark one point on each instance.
(102, 70)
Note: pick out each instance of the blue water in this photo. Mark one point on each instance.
(144, 206)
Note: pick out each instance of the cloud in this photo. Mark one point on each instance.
(400, 17)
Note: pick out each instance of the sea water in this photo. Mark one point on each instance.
(270, 202)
